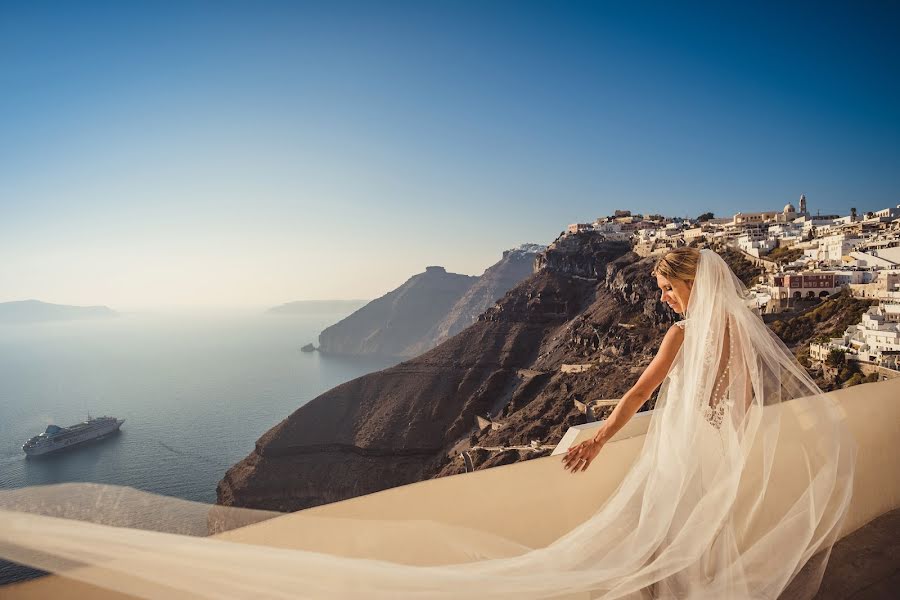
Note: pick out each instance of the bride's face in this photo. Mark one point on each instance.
(675, 293)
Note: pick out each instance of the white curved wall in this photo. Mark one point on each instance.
(529, 504)
(506, 509)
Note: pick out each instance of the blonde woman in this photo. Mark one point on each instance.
(674, 273)
(701, 512)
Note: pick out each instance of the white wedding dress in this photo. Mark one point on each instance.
(702, 513)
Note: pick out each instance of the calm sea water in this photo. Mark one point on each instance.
(196, 392)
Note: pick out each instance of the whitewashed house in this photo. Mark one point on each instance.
(875, 339)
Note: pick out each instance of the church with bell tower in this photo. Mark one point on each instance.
(790, 212)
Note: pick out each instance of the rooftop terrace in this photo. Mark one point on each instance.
(503, 503)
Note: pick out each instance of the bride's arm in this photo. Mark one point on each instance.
(649, 380)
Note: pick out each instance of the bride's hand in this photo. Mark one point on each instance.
(579, 457)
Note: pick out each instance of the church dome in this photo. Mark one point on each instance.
(789, 208)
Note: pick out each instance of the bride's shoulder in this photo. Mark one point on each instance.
(680, 324)
(675, 334)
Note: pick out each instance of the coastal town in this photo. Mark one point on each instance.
(804, 258)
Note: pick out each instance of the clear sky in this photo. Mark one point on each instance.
(254, 153)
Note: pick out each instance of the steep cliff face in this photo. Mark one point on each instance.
(516, 265)
(399, 320)
(617, 331)
(593, 301)
(428, 309)
(576, 255)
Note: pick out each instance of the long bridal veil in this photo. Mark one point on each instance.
(744, 479)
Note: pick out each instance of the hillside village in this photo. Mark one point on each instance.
(804, 258)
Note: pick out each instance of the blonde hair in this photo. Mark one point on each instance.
(680, 263)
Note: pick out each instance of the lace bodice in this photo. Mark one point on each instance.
(719, 403)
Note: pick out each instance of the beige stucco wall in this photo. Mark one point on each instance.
(510, 508)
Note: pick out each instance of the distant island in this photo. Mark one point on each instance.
(317, 307)
(31, 311)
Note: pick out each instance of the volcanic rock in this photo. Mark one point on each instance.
(592, 300)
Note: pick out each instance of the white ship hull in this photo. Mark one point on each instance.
(51, 445)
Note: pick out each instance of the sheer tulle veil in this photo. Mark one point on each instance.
(744, 479)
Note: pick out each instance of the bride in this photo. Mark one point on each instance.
(709, 508)
(675, 273)
(702, 513)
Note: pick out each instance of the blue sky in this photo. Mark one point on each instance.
(248, 154)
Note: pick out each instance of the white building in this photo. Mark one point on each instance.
(845, 277)
(785, 229)
(814, 225)
(645, 235)
(833, 248)
(607, 226)
(876, 339)
(669, 232)
(846, 220)
(885, 286)
(698, 233)
(890, 213)
(579, 227)
(872, 260)
(756, 243)
(611, 230)
(813, 250)
(889, 254)
(675, 225)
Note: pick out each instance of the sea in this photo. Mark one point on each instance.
(196, 391)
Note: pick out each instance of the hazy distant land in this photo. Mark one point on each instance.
(30, 311)
(313, 307)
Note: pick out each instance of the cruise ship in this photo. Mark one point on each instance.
(59, 438)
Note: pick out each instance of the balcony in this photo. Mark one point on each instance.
(504, 503)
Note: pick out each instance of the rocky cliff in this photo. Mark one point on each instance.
(513, 267)
(428, 309)
(394, 323)
(510, 378)
(591, 301)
